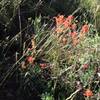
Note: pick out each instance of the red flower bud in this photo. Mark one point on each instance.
(85, 28)
(30, 59)
(85, 66)
(73, 34)
(73, 26)
(43, 65)
(88, 93)
(70, 17)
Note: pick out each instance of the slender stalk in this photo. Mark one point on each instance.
(20, 27)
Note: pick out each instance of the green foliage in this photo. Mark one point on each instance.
(47, 96)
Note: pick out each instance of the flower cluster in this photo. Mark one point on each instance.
(59, 51)
(63, 24)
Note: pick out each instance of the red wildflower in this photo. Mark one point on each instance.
(85, 28)
(73, 34)
(70, 17)
(74, 37)
(43, 65)
(85, 66)
(30, 59)
(67, 23)
(88, 93)
(59, 20)
(73, 26)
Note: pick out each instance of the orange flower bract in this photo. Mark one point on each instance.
(85, 28)
(59, 20)
(88, 93)
(62, 21)
(73, 26)
(70, 17)
(30, 59)
(67, 23)
(73, 34)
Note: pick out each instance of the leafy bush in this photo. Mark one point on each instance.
(59, 61)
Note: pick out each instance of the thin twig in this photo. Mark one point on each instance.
(10, 70)
(20, 27)
(74, 93)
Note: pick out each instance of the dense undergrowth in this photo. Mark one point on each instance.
(50, 58)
